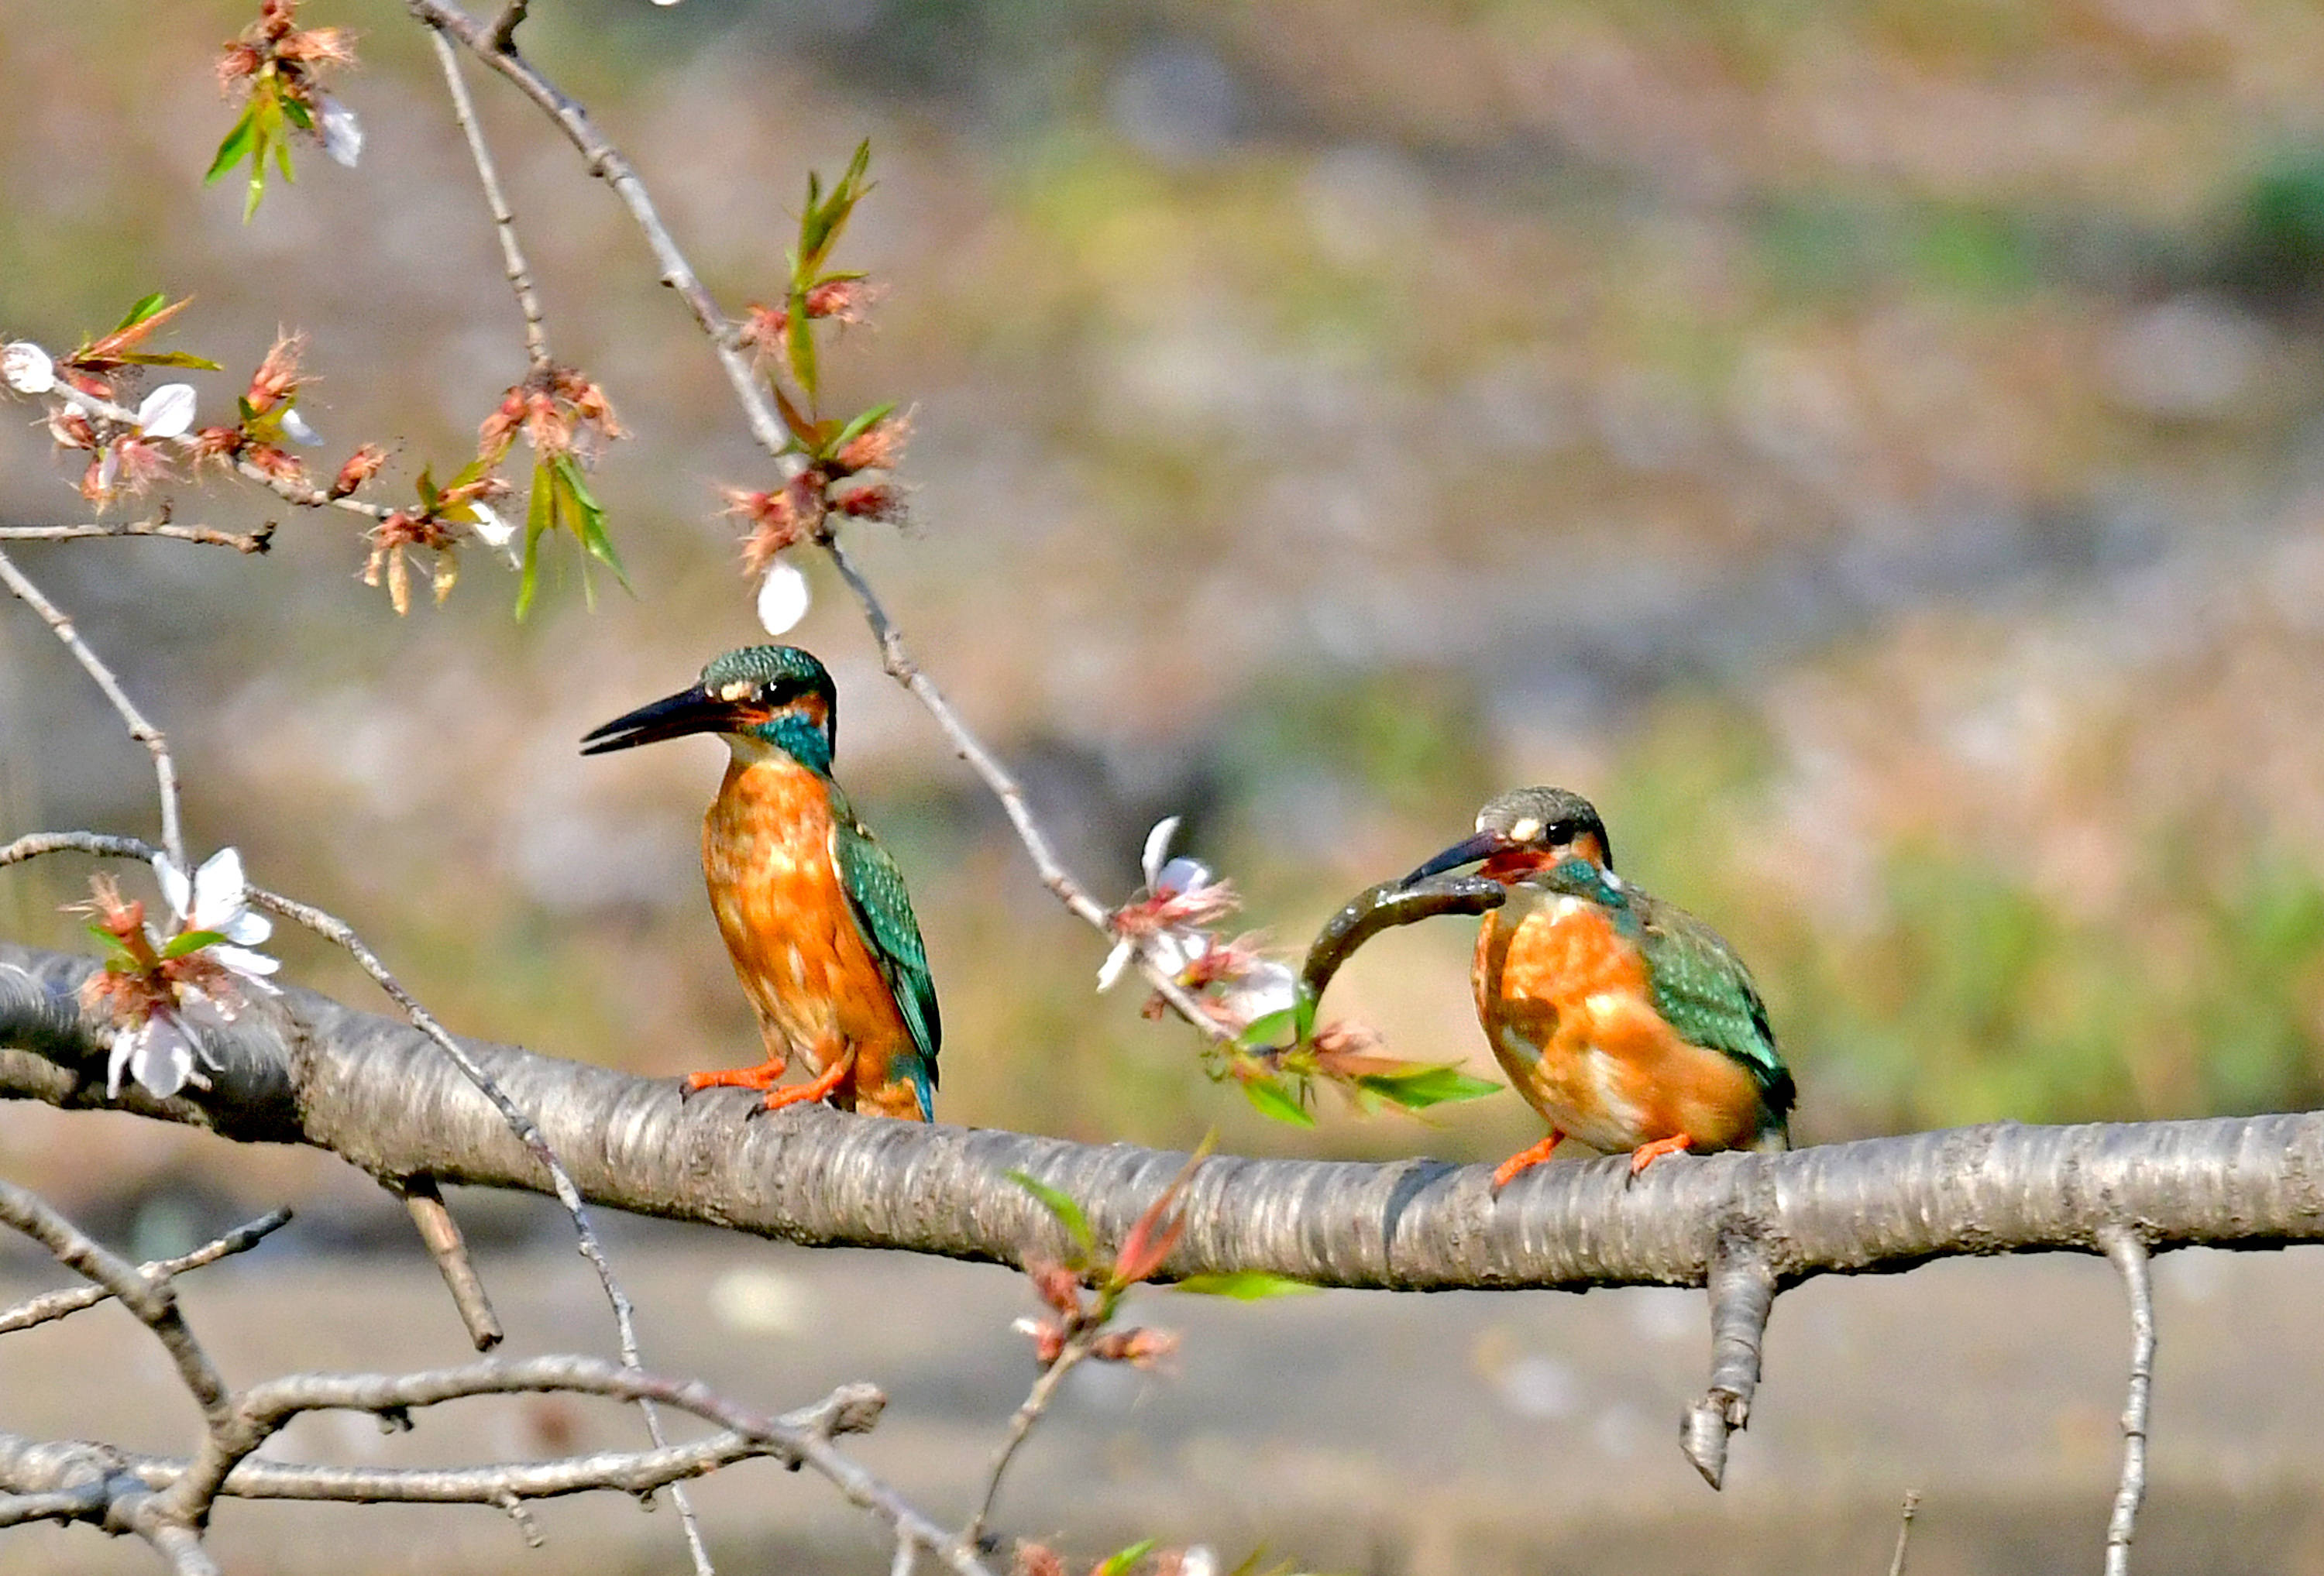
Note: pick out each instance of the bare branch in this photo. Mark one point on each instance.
(54, 1306)
(1742, 1286)
(440, 1233)
(501, 37)
(165, 769)
(69, 1480)
(256, 541)
(149, 1297)
(1037, 1402)
(2124, 1247)
(463, 110)
(1905, 1532)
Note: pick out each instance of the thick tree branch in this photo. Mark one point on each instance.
(380, 1095)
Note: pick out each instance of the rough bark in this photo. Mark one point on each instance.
(383, 1098)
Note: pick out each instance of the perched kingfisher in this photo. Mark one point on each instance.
(814, 911)
(1626, 1022)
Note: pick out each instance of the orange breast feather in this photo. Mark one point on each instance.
(766, 856)
(1566, 1003)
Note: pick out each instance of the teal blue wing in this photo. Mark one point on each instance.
(1704, 991)
(884, 917)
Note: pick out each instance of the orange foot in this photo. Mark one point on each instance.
(762, 1078)
(1645, 1154)
(1524, 1160)
(824, 1083)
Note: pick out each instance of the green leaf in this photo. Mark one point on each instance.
(588, 519)
(1244, 1286)
(1261, 1032)
(862, 424)
(471, 472)
(146, 308)
(171, 358)
(428, 491)
(192, 941)
(1416, 1088)
(539, 516)
(1118, 1562)
(298, 114)
(1062, 1205)
(231, 151)
(112, 944)
(1272, 1100)
(798, 346)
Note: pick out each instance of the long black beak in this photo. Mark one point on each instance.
(692, 711)
(1483, 846)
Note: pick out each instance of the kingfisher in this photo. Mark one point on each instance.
(1627, 1022)
(813, 909)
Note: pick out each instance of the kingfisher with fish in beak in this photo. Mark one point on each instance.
(1627, 1022)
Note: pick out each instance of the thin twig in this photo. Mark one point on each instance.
(464, 110)
(165, 769)
(606, 162)
(1037, 1402)
(501, 37)
(1905, 1532)
(54, 1306)
(256, 541)
(2129, 1252)
(149, 1297)
(440, 1234)
(85, 1469)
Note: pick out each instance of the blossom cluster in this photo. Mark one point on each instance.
(160, 991)
(1232, 980)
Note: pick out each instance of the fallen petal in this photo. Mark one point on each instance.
(342, 133)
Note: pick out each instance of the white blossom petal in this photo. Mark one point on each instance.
(1269, 987)
(156, 1053)
(168, 412)
(489, 525)
(218, 891)
(108, 469)
(246, 928)
(782, 597)
(1158, 845)
(175, 888)
(253, 966)
(295, 428)
(26, 368)
(1109, 972)
(342, 133)
(1173, 952)
(1182, 874)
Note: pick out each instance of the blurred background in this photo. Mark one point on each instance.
(1876, 451)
